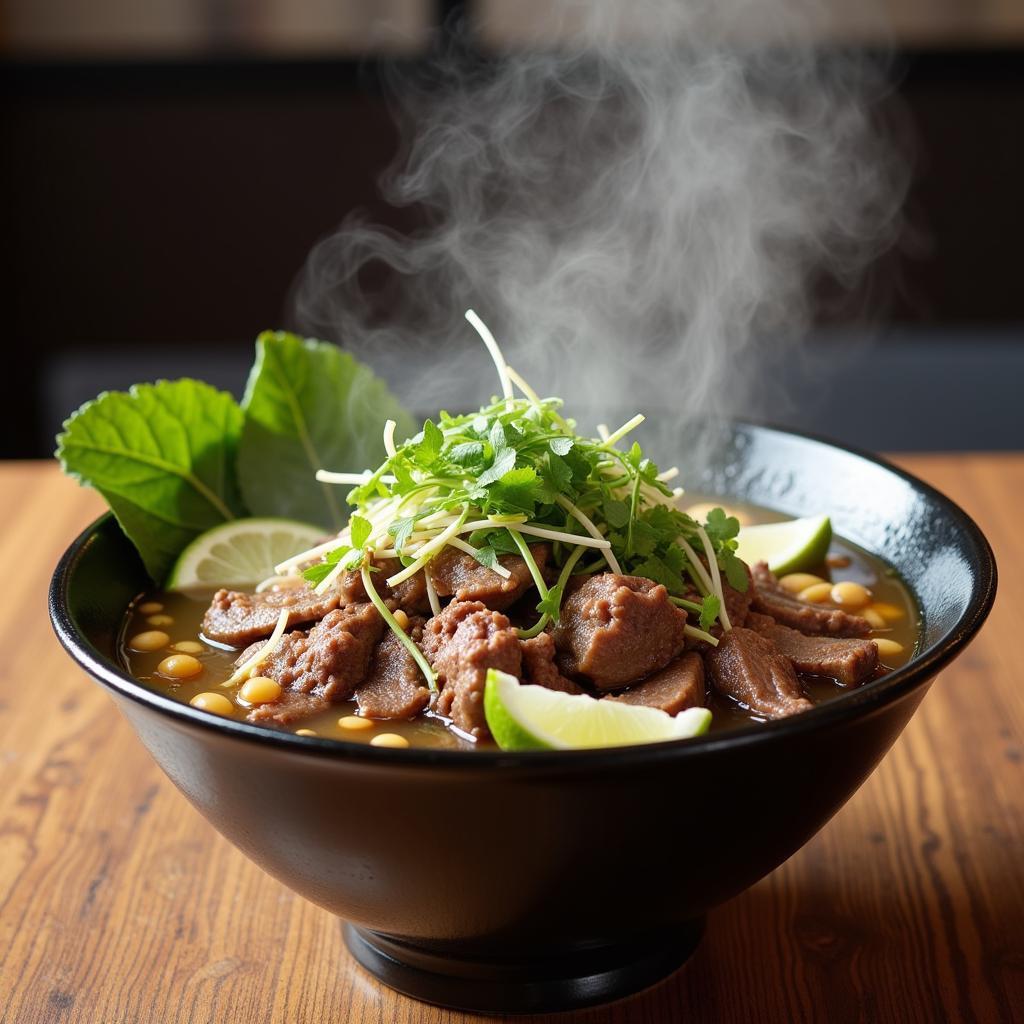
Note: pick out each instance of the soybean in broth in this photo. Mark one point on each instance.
(185, 612)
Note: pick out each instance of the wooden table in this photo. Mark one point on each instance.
(119, 904)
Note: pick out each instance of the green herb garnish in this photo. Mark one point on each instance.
(516, 472)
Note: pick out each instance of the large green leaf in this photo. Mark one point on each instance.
(308, 406)
(163, 456)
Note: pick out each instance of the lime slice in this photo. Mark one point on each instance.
(536, 718)
(241, 553)
(793, 546)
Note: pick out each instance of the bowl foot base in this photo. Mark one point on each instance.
(543, 985)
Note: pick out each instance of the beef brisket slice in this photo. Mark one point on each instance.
(236, 618)
(325, 664)
(457, 574)
(410, 595)
(539, 668)
(291, 706)
(849, 661)
(678, 686)
(747, 667)
(771, 599)
(394, 686)
(461, 644)
(616, 629)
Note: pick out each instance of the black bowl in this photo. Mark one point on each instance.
(540, 881)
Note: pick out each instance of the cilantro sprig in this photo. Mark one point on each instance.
(517, 471)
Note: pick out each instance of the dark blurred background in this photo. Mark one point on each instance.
(166, 167)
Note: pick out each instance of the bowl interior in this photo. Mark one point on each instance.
(930, 541)
(936, 548)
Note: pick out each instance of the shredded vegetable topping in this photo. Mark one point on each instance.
(486, 483)
(250, 665)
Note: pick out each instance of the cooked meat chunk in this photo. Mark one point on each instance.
(847, 660)
(616, 629)
(678, 686)
(539, 668)
(326, 664)
(457, 574)
(394, 686)
(236, 618)
(749, 668)
(771, 599)
(410, 595)
(461, 644)
(758, 622)
(737, 603)
(291, 706)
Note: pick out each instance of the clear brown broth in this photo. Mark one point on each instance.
(186, 610)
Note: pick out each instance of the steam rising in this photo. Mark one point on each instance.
(637, 213)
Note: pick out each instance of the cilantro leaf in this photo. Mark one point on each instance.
(503, 463)
(360, 529)
(674, 558)
(710, 607)
(516, 489)
(616, 512)
(401, 529)
(497, 438)
(430, 445)
(655, 569)
(551, 604)
(721, 527)
(735, 570)
(557, 477)
(468, 453)
(316, 574)
(500, 540)
(486, 556)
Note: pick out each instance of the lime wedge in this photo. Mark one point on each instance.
(536, 718)
(793, 546)
(241, 553)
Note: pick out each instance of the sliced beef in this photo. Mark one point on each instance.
(461, 644)
(410, 595)
(758, 622)
(539, 668)
(771, 599)
(457, 574)
(290, 707)
(737, 603)
(236, 618)
(678, 686)
(394, 686)
(616, 629)
(325, 664)
(849, 661)
(749, 668)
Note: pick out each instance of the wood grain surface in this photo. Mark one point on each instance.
(120, 905)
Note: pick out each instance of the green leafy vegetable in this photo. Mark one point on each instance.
(360, 530)
(710, 607)
(163, 457)
(308, 406)
(551, 602)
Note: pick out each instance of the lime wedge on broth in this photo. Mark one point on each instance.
(792, 546)
(241, 552)
(523, 717)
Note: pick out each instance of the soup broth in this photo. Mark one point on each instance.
(178, 616)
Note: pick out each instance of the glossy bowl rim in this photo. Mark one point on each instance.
(847, 707)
